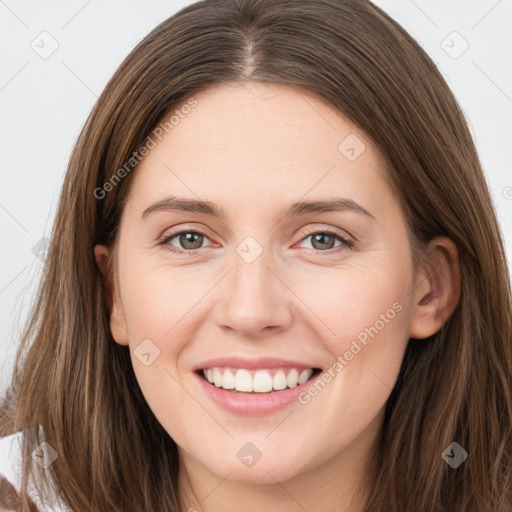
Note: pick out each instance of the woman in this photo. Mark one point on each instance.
(189, 352)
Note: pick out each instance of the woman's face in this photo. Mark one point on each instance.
(277, 285)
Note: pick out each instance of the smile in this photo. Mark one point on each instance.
(258, 381)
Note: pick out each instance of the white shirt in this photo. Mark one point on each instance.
(10, 469)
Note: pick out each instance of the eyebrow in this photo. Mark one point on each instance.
(300, 208)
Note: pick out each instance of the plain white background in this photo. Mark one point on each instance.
(59, 55)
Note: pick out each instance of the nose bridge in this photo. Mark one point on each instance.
(254, 298)
(251, 273)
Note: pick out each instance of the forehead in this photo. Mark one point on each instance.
(262, 121)
(255, 142)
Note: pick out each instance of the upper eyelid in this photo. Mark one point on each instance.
(183, 226)
(336, 231)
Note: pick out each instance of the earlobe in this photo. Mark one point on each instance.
(438, 291)
(117, 318)
(118, 323)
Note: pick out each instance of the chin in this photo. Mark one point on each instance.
(267, 470)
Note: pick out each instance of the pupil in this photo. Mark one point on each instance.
(320, 237)
(188, 238)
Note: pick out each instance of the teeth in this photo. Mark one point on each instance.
(293, 378)
(217, 377)
(261, 381)
(243, 381)
(228, 380)
(279, 380)
(304, 376)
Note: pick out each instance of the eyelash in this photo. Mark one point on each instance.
(346, 244)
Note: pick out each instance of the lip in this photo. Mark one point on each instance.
(251, 364)
(253, 404)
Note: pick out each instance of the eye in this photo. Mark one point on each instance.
(323, 241)
(190, 241)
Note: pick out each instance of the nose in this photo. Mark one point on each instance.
(254, 301)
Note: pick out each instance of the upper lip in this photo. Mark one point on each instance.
(250, 364)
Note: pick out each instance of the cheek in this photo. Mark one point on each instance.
(156, 307)
(370, 324)
(355, 303)
(156, 302)
(362, 315)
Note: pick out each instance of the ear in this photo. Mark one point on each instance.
(438, 290)
(114, 304)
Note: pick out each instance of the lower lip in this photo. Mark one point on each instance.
(253, 404)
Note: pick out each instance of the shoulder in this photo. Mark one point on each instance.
(10, 478)
(9, 497)
(9, 470)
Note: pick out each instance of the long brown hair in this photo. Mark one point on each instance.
(75, 382)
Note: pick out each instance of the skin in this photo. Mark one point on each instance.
(253, 149)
